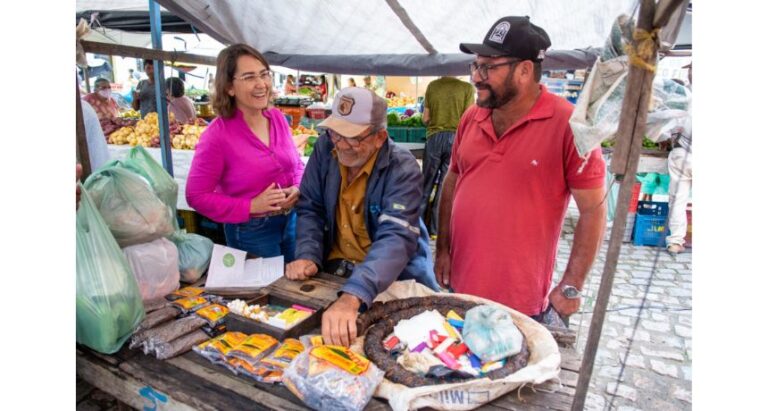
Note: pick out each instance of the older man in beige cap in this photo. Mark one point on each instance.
(358, 214)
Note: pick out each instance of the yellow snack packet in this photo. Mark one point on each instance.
(224, 343)
(285, 353)
(185, 292)
(254, 347)
(213, 313)
(341, 357)
(188, 304)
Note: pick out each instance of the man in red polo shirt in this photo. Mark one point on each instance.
(514, 167)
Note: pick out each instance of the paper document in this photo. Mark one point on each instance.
(230, 269)
(261, 272)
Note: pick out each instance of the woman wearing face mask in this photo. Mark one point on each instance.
(246, 170)
(101, 100)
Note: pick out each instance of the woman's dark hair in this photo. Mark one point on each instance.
(226, 65)
(175, 86)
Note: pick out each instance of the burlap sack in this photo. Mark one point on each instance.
(543, 363)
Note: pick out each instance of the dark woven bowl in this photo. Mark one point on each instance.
(382, 318)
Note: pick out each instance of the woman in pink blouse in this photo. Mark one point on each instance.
(246, 170)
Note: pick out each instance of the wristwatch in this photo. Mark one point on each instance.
(570, 292)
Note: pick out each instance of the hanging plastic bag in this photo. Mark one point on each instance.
(108, 302)
(490, 333)
(165, 186)
(194, 254)
(129, 206)
(156, 267)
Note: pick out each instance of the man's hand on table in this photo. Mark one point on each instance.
(300, 269)
(339, 321)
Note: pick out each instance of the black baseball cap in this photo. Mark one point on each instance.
(513, 36)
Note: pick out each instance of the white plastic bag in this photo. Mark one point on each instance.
(490, 333)
(155, 266)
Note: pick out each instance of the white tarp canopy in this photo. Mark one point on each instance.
(388, 37)
(395, 37)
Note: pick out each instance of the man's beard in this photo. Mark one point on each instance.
(496, 100)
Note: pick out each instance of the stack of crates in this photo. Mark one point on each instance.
(651, 223)
(399, 134)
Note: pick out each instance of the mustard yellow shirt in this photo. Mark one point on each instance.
(352, 240)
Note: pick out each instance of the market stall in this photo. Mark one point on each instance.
(188, 380)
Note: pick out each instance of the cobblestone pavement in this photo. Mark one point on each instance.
(644, 358)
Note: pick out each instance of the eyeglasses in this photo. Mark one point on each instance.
(250, 78)
(483, 68)
(353, 142)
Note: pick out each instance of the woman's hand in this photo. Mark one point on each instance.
(268, 200)
(292, 198)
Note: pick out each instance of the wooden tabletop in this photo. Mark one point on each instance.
(190, 381)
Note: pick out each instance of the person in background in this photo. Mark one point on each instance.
(144, 97)
(359, 212)
(367, 83)
(246, 170)
(514, 167)
(322, 89)
(370, 85)
(290, 85)
(352, 82)
(182, 107)
(98, 153)
(133, 78)
(445, 101)
(680, 164)
(101, 99)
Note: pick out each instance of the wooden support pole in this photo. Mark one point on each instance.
(634, 112)
(81, 142)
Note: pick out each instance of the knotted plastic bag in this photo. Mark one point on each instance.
(156, 267)
(129, 206)
(490, 333)
(322, 385)
(194, 254)
(166, 188)
(108, 302)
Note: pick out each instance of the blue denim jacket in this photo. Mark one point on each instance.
(399, 240)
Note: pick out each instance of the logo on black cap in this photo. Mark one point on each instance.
(499, 32)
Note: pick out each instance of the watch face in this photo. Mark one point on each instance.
(570, 292)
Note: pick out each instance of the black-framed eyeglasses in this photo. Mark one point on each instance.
(352, 141)
(483, 68)
(250, 78)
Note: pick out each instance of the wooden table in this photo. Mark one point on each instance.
(190, 381)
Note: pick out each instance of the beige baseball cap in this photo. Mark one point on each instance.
(355, 109)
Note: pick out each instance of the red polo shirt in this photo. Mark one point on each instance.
(510, 201)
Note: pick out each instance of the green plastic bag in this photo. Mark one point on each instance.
(194, 254)
(108, 302)
(131, 209)
(165, 186)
